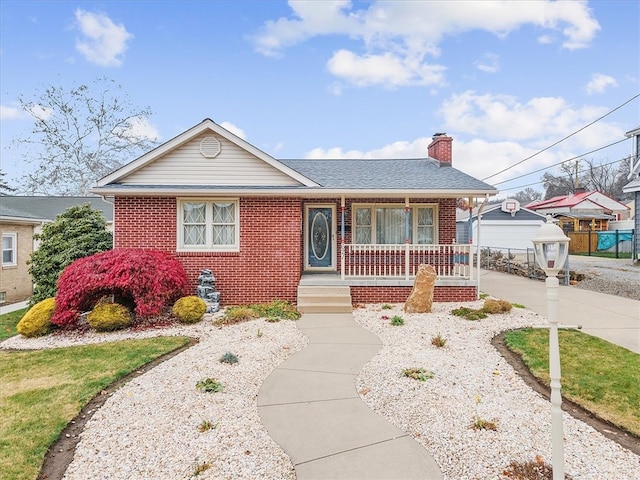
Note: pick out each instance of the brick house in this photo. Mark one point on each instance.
(264, 226)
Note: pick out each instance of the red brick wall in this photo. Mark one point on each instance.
(267, 267)
(269, 263)
(382, 294)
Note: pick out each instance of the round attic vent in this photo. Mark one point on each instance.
(209, 147)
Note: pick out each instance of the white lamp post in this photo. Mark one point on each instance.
(551, 247)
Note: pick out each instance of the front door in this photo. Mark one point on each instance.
(320, 238)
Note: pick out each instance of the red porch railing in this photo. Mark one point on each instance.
(402, 260)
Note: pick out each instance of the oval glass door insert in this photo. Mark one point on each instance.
(320, 235)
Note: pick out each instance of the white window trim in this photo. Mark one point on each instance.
(14, 249)
(414, 218)
(208, 246)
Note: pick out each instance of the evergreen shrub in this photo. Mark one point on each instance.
(78, 232)
(106, 317)
(189, 309)
(37, 321)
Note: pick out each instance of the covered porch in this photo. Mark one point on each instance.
(386, 273)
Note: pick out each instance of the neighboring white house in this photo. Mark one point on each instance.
(634, 186)
(503, 226)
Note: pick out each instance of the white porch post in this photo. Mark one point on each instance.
(406, 238)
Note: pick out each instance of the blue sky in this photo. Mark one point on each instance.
(337, 79)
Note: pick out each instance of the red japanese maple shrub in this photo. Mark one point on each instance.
(148, 280)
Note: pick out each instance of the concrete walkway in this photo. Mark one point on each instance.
(615, 319)
(12, 307)
(311, 408)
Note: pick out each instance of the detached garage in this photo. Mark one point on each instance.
(503, 226)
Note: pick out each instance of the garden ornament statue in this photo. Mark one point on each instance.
(207, 291)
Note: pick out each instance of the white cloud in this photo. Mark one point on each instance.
(490, 63)
(10, 113)
(599, 83)
(237, 131)
(387, 69)
(141, 128)
(310, 19)
(505, 117)
(399, 149)
(40, 112)
(493, 132)
(16, 113)
(103, 41)
(399, 35)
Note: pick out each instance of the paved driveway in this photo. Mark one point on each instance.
(615, 319)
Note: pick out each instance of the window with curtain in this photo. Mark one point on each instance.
(386, 224)
(209, 225)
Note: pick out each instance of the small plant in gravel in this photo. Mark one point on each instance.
(483, 296)
(201, 468)
(518, 305)
(438, 341)
(276, 310)
(469, 313)
(259, 334)
(237, 314)
(209, 385)
(206, 425)
(397, 320)
(229, 358)
(386, 306)
(531, 470)
(481, 424)
(496, 306)
(420, 374)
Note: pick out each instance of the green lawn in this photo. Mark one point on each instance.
(8, 323)
(600, 376)
(605, 254)
(43, 390)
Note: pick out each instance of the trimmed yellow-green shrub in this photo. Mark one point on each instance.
(36, 322)
(496, 306)
(189, 309)
(106, 317)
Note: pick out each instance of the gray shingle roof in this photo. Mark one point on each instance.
(386, 174)
(48, 208)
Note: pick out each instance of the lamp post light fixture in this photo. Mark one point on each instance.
(551, 247)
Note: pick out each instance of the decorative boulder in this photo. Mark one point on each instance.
(421, 297)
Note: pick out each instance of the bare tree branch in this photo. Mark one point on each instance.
(78, 136)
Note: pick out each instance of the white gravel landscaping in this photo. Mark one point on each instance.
(438, 413)
(148, 429)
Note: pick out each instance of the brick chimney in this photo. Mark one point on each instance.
(440, 149)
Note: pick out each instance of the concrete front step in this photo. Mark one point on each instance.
(324, 299)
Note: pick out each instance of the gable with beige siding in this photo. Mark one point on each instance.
(186, 165)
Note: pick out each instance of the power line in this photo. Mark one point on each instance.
(563, 139)
(563, 161)
(567, 175)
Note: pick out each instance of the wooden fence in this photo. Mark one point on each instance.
(583, 242)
